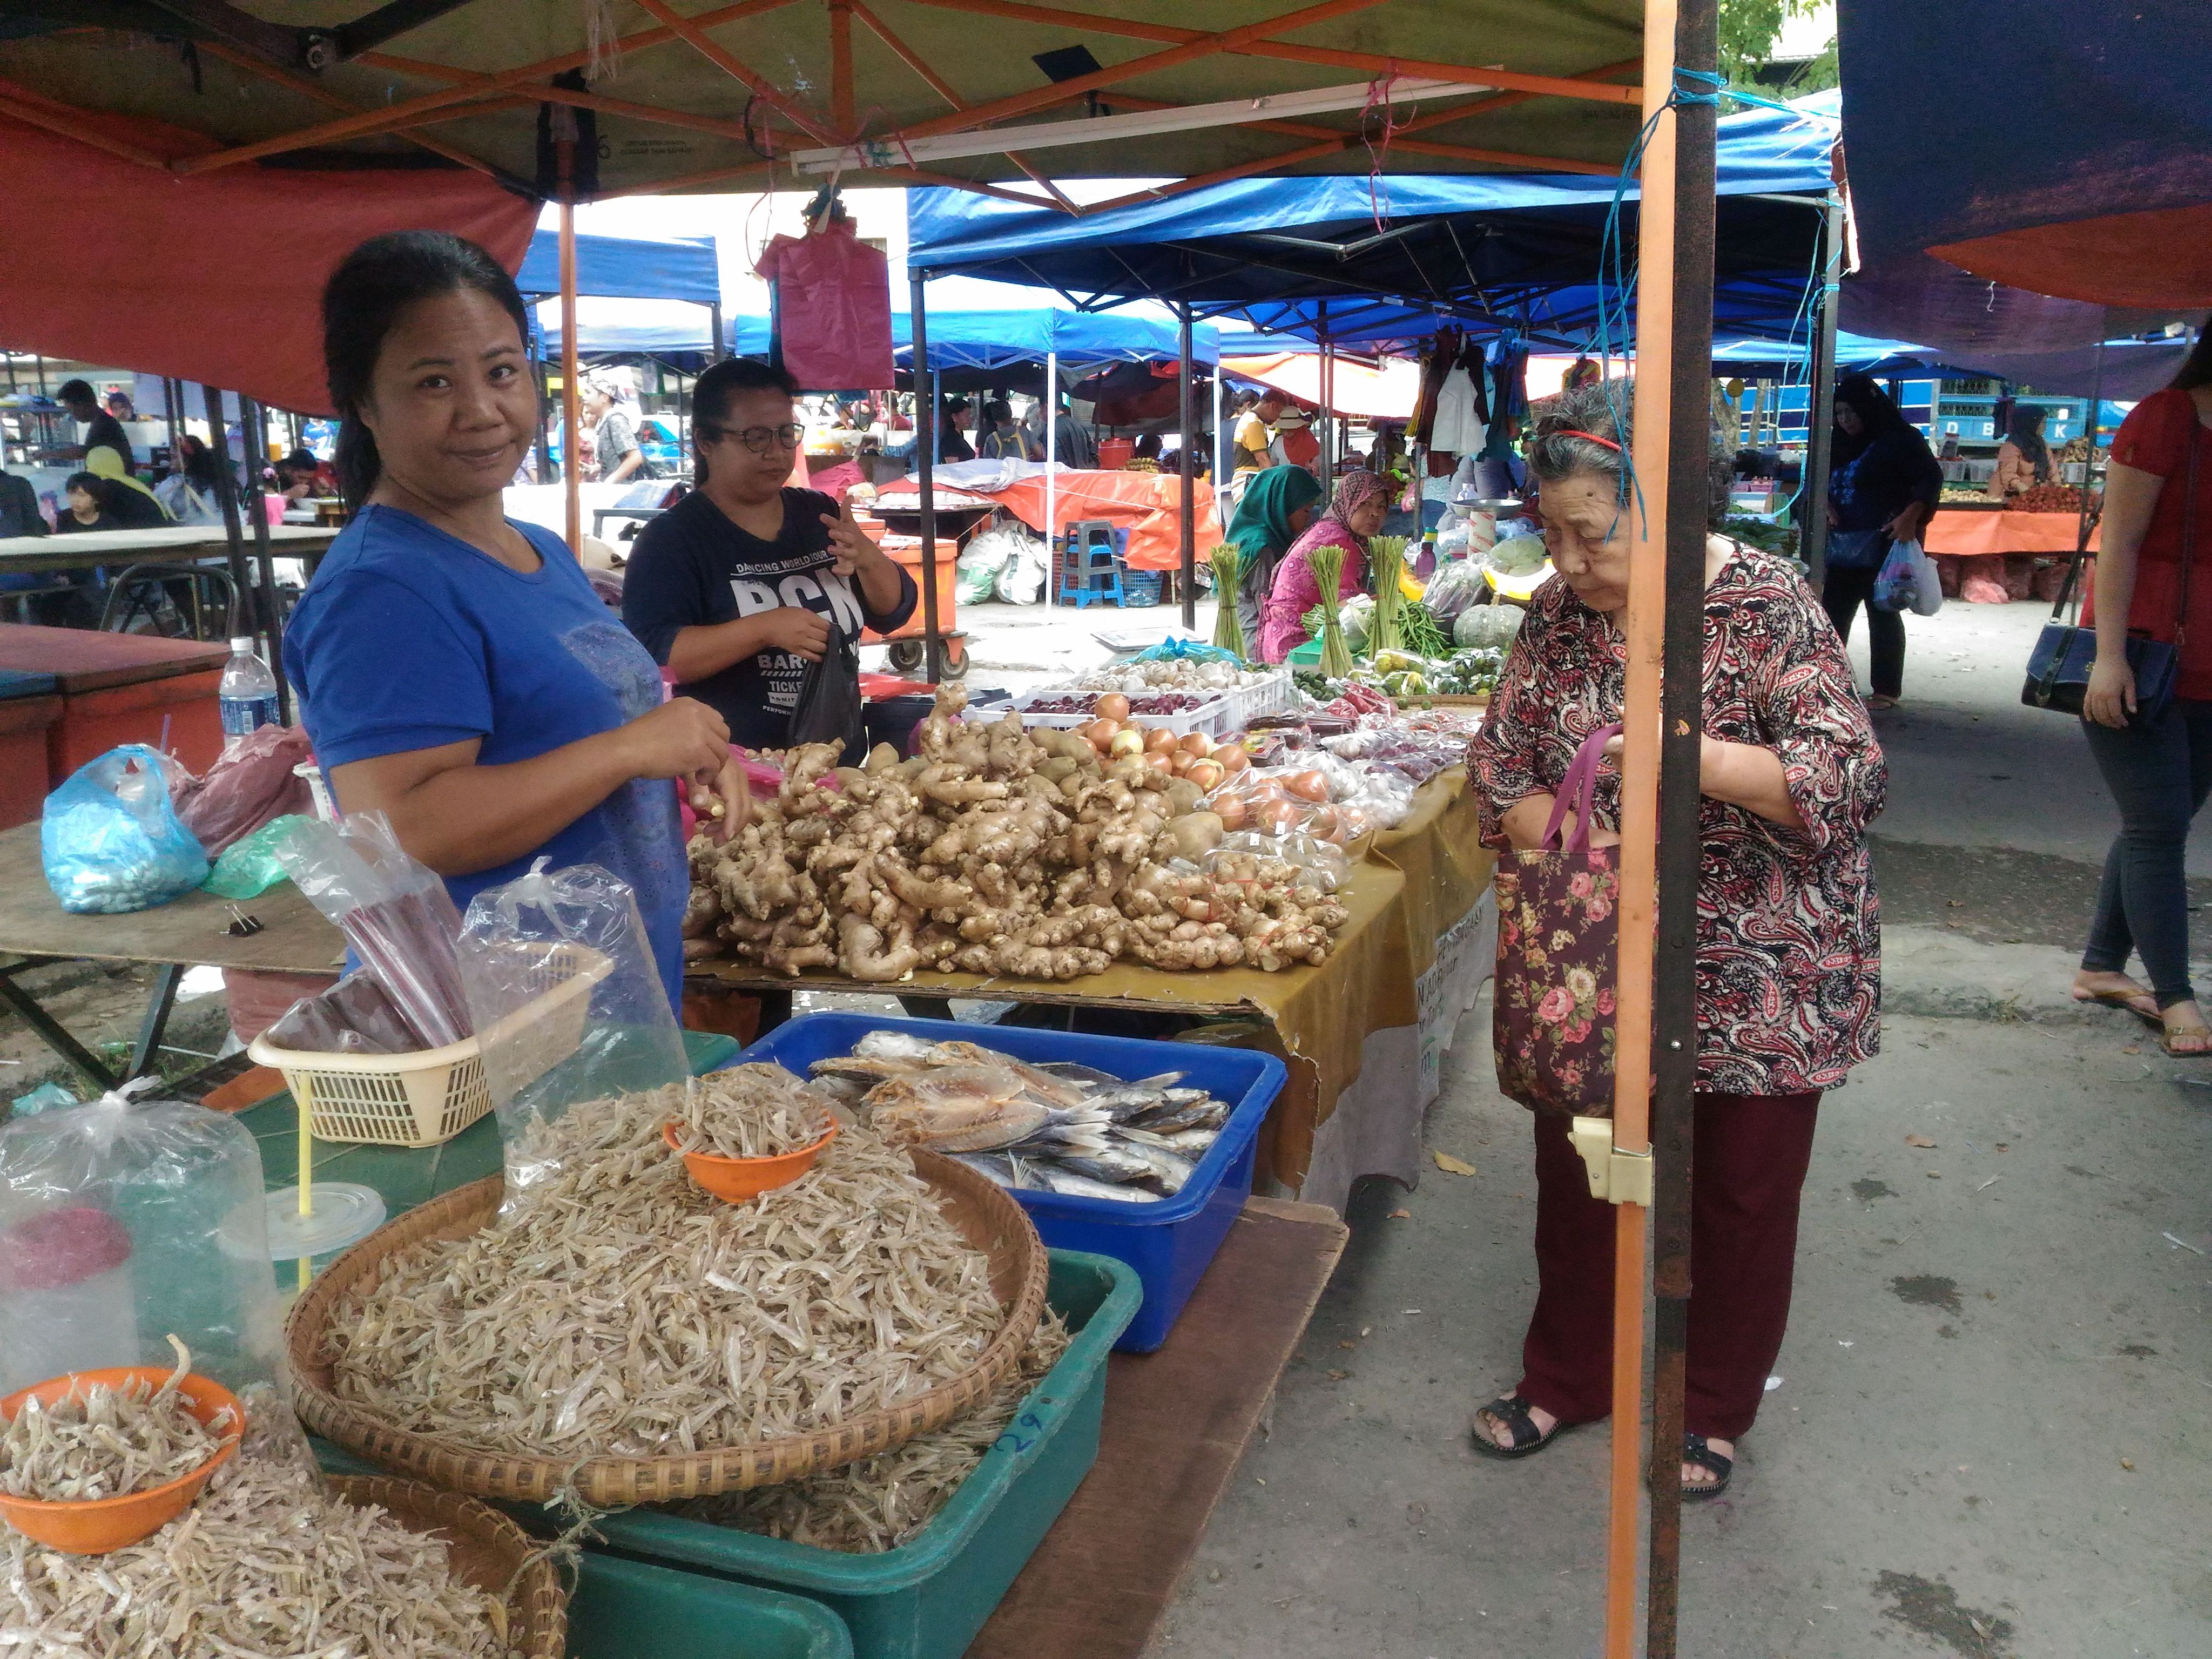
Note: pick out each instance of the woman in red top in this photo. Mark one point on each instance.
(2159, 775)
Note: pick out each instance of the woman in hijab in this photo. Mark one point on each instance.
(1276, 507)
(1885, 487)
(130, 503)
(1354, 513)
(189, 493)
(2023, 459)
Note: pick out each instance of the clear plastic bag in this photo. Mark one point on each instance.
(1319, 864)
(1289, 801)
(524, 940)
(1455, 588)
(357, 1016)
(395, 913)
(127, 1219)
(249, 868)
(252, 782)
(111, 839)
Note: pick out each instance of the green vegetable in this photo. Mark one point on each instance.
(1228, 561)
(1386, 558)
(1484, 625)
(1417, 626)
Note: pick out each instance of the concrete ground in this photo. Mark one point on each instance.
(1985, 1436)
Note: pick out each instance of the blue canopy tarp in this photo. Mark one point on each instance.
(627, 268)
(2063, 147)
(992, 339)
(1388, 261)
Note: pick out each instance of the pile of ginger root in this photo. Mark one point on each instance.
(993, 850)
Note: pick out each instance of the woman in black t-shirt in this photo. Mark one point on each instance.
(737, 588)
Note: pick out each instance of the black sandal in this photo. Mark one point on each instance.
(1696, 1450)
(1512, 1411)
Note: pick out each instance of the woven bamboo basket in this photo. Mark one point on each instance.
(487, 1551)
(984, 1212)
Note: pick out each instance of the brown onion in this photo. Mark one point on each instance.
(1206, 774)
(1111, 707)
(1100, 730)
(1159, 740)
(1196, 745)
(1307, 785)
(1126, 742)
(1231, 810)
(1232, 757)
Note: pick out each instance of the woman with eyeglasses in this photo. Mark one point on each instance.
(454, 667)
(737, 588)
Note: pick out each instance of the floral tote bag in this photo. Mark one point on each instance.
(1558, 947)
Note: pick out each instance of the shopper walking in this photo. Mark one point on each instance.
(2157, 523)
(1788, 965)
(1883, 488)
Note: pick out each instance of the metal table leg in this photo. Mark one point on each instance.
(51, 1030)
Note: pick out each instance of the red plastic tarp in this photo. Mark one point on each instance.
(215, 276)
(1148, 505)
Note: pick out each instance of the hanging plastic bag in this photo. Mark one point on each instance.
(252, 783)
(1927, 585)
(110, 838)
(829, 307)
(1897, 584)
(828, 705)
(125, 1221)
(568, 1002)
(395, 914)
(249, 868)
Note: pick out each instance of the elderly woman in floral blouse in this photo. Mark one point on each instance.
(1788, 941)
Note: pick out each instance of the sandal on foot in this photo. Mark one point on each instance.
(2128, 1002)
(2202, 1033)
(1697, 1451)
(1512, 1411)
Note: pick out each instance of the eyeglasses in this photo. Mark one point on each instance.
(761, 439)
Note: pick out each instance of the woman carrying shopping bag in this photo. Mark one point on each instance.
(1788, 941)
(1886, 484)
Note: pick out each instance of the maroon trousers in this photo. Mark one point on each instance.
(1751, 1153)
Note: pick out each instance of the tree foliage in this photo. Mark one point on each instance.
(1748, 31)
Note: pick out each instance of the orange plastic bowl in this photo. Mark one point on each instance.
(736, 1180)
(102, 1524)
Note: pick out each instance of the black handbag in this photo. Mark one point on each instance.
(2058, 668)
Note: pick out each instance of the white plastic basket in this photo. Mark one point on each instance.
(1214, 717)
(427, 1098)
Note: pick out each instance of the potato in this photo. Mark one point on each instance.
(881, 758)
(1195, 835)
(1058, 767)
(1184, 795)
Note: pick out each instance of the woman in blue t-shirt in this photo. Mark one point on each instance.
(455, 669)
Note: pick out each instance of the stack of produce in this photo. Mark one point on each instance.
(993, 850)
(108, 1442)
(613, 1309)
(2047, 498)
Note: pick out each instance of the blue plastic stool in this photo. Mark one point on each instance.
(1090, 565)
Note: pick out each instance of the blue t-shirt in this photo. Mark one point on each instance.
(408, 638)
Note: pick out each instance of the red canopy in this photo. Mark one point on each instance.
(215, 276)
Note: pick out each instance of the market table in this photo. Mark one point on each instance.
(1361, 1033)
(1969, 531)
(36, 931)
(92, 550)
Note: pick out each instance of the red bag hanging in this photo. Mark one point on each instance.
(1558, 957)
(829, 309)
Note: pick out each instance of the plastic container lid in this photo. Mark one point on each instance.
(345, 1213)
(61, 1248)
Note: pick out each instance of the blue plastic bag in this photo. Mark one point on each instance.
(112, 839)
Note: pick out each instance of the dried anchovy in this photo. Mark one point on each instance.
(266, 1563)
(613, 1309)
(884, 1501)
(107, 1442)
(746, 1111)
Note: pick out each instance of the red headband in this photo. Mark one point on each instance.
(1572, 432)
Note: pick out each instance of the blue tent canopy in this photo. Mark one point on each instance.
(627, 268)
(994, 339)
(1327, 256)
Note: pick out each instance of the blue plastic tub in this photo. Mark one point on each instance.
(633, 1610)
(1169, 1242)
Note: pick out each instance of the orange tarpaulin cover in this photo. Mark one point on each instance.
(1149, 505)
(217, 276)
(1386, 393)
(2004, 533)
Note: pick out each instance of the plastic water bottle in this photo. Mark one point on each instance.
(247, 695)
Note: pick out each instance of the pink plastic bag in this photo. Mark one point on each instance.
(251, 784)
(831, 297)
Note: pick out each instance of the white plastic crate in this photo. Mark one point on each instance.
(425, 1099)
(1216, 718)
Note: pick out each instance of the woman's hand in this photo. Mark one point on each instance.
(725, 802)
(1906, 526)
(850, 546)
(681, 738)
(2111, 698)
(792, 628)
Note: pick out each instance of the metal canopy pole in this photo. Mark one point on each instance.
(1674, 1044)
(1188, 581)
(1819, 416)
(925, 449)
(716, 347)
(267, 624)
(572, 447)
(1051, 441)
(226, 491)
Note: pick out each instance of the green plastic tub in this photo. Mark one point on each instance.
(927, 1599)
(634, 1610)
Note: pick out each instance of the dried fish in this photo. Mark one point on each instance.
(108, 1442)
(612, 1309)
(884, 1501)
(267, 1562)
(749, 1111)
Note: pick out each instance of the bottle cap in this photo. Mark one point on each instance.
(243, 642)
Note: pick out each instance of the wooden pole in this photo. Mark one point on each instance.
(1647, 512)
(925, 452)
(1674, 990)
(1187, 564)
(571, 442)
(841, 72)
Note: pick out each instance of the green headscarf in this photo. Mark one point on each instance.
(1261, 527)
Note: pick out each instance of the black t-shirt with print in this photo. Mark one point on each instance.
(692, 568)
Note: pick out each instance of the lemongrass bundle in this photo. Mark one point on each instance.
(1386, 559)
(1326, 563)
(1228, 562)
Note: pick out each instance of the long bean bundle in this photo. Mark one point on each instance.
(1386, 562)
(1326, 563)
(1228, 562)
